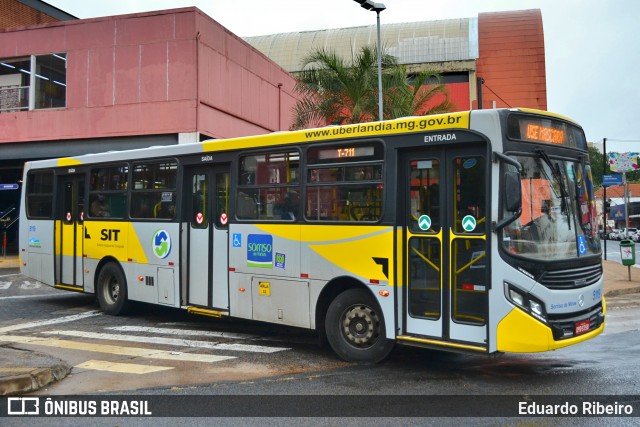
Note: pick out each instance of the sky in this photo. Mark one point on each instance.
(591, 46)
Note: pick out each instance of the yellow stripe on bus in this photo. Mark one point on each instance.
(441, 343)
(68, 161)
(458, 120)
(350, 248)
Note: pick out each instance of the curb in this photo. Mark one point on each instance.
(24, 371)
(32, 381)
(619, 292)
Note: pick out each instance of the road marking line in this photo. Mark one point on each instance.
(170, 341)
(148, 353)
(123, 368)
(184, 332)
(34, 296)
(38, 323)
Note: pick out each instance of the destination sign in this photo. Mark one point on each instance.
(545, 130)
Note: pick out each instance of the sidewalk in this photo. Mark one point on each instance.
(9, 262)
(24, 371)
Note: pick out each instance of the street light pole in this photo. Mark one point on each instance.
(377, 8)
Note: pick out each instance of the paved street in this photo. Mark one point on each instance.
(156, 352)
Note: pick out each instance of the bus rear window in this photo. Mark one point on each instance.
(40, 195)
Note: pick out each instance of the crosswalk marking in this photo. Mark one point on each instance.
(170, 341)
(114, 349)
(123, 368)
(38, 323)
(48, 296)
(183, 332)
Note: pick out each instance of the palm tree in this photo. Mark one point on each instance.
(419, 95)
(336, 92)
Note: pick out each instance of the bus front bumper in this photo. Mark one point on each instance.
(519, 332)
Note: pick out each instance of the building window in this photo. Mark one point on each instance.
(50, 81)
(14, 84)
(33, 82)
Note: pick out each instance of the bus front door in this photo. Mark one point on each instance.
(207, 192)
(69, 234)
(445, 249)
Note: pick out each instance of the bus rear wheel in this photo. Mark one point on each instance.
(111, 290)
(355, 328)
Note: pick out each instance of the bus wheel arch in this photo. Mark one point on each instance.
(353, 323)
(111, 287)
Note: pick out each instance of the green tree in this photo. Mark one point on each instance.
(420, 95)
(596, 159)
(334, 91)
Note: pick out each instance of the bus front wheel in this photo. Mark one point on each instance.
(355, 328)
(112, 289)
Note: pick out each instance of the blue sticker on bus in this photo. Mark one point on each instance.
(260, 250)
(280, 260)
(582, 245)
(237, 240)
(469, 163)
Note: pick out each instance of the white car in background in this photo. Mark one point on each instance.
(630, 234)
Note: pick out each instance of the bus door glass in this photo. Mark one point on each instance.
(445, 228)
(207, 191)
(70, 230)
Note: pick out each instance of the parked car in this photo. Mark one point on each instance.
(630, 233)
(614, 234)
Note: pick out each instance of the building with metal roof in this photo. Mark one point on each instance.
(504, 49)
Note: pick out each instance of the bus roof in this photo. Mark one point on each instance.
(445, 121)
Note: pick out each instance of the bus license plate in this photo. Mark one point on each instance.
(582, 326)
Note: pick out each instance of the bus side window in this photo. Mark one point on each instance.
(288, 207)
(165, 210)
(247, 207)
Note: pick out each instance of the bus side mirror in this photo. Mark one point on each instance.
(512, 192)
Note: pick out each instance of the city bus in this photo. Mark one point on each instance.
(469, 231)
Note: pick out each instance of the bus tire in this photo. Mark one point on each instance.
(111, 289)
(355, 328)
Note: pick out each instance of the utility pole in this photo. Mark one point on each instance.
(604, 196)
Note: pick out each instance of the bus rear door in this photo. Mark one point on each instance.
(207, 207)
(444, 233)
(69, 234)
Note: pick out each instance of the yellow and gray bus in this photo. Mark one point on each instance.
(471, 231)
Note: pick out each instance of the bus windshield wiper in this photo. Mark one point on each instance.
(558, 177)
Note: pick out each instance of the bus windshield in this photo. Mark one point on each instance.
(558, 220)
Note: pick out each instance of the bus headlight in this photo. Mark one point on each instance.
(516, 297)
(536, 307)
(526, 302)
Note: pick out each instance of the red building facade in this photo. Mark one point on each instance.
(174, 72)
(121, 82)
(511, 59)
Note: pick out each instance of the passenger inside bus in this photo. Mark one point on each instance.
(164, 210)
(143, 210)
(99, 207)
(288, 208)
